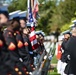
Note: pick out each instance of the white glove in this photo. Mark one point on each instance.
(68, 57)
(21, 59)
(45, 57)
(50, 57)
(62, 50)
(31, 52)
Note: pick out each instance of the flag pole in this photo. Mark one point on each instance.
(28, 2)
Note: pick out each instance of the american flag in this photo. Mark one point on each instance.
(32, 36)
(35, 9)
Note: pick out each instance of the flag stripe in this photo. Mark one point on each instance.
(33, 38)
(32, 34)
(36, 8)
(32, 29)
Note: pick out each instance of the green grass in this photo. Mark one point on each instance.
(54, 60)
(54, 72)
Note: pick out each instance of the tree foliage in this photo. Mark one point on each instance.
(46, 11)
(18, 5)
(53, 14)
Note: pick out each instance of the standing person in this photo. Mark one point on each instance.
(25, 39)
(59, 53)
(11, 47)
(41, 48)
(30, 46)
(20, 45)
(71, 53)
(64, 60)
(41, 37)
(67, 35)
(12, 44)
(57, 33)
(2, 53)
(27, 45)
(4, 17)
(23, 19)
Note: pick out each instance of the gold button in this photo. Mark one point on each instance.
(31, 65)
(20, 73)
(33, 68)
(27, 72)
(16, 69)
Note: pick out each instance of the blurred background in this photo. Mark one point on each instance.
(54, 17)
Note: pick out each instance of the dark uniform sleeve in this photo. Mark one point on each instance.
(20, 44)
(19, 40)
(10, 40)
(67, 50)
(63, 45)
(1, 41)
(64, 52)
(26, 43)
(71, 47)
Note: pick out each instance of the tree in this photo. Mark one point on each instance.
(18, 5)
(53, 14)
(64, 12)
(46, 10)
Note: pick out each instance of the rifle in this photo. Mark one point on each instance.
(42, 63)
(39, 64)
(46, 62)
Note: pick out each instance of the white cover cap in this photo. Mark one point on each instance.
(14, 14)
